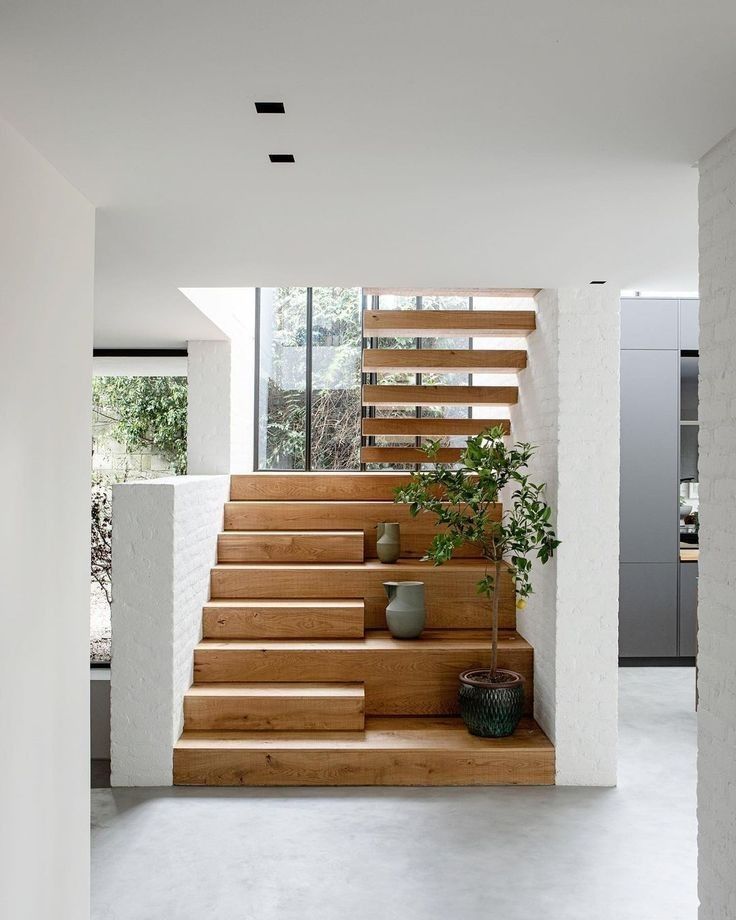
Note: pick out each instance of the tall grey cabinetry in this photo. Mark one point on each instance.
(652, 333)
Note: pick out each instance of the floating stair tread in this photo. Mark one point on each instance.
(389, 733)
(275, 706)
(432, 427)
(290, 545)
(409, 455)
(267, 618)
(443, 639)
(431, 395)
(392, 751)
(441, 360)
(277, 487)
(431, 323)
(278, 690)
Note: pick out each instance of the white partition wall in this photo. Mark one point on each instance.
(46, 274)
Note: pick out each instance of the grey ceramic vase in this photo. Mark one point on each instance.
(405, 612)
(388, 542)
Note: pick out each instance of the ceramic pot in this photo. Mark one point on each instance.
(491, 709)
(405, 612)
(388, 542)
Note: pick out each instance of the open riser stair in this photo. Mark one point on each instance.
(297, 680)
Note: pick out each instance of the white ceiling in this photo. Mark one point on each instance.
(437, 144)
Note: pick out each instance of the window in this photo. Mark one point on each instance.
(308, 386)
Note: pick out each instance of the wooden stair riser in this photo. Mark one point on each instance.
(392, 752)
(430, 395)
(284, 619)
(442, 360)
(431, 427)
(414, 679)
(416, 533)
(280, 487)
(291, 546)
(451, 597)
(440, 323)
(274, 707)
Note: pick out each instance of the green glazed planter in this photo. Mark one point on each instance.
(491, 710)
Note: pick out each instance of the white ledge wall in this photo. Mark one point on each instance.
(164, 545)
(717, 581)
(569, 407)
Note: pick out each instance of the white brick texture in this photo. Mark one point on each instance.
(717, 582)
(164, 545)
(569, 407)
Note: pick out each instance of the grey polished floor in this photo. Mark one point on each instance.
(410, 854)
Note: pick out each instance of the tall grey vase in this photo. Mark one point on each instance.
(388, 542)
(405, 612)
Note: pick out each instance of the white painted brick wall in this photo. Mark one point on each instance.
(164, 545)
(569, 407)
(717, 581)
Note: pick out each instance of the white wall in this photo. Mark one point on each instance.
(717, 581)
(164, 545)
(569, 407)
(46, 277)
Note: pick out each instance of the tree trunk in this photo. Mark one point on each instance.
(496, 594)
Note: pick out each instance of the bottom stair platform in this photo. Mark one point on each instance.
(392, 751)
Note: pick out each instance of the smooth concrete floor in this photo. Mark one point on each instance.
(520, 853)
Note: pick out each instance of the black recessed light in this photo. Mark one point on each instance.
(270, 108)
(281, 157)
(597, 282)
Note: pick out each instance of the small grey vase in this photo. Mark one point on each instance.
(405, 614)
(388, 542)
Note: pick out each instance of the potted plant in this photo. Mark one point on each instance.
(463, 498)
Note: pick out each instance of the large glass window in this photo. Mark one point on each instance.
(309, 346)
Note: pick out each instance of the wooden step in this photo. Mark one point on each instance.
(452, 600)
(290, 546)
(409, 455)
(443, 360)
(318, 618)
(274, 707)
(432, 427)
(457, 323)
(416, 532)
(390, 752)
(316, 486)
(409, 395)
(401, 676)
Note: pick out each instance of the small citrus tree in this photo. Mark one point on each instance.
(465, 498)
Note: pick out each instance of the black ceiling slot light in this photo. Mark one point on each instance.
(270, 108)
(597, 282)
(281, 157)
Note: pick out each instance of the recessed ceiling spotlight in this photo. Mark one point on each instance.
(270, 108)
(281, 157)
(597, 282)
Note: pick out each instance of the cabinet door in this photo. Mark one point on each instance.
(649, 519)
(648, 611)
(688, 609)
(649, 323)
(689, 326)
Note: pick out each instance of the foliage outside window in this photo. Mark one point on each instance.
(138, 432)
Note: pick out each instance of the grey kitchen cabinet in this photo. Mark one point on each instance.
(689, 325)
(688, 613)
(649, 323)
(649, 456)
(648, 605)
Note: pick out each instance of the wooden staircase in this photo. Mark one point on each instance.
(296, 679)
(390, 362)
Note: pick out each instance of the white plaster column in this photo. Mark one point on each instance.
(717, 569)
(569, 407)
(164, 545)
(46, 287)
(221, 385)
